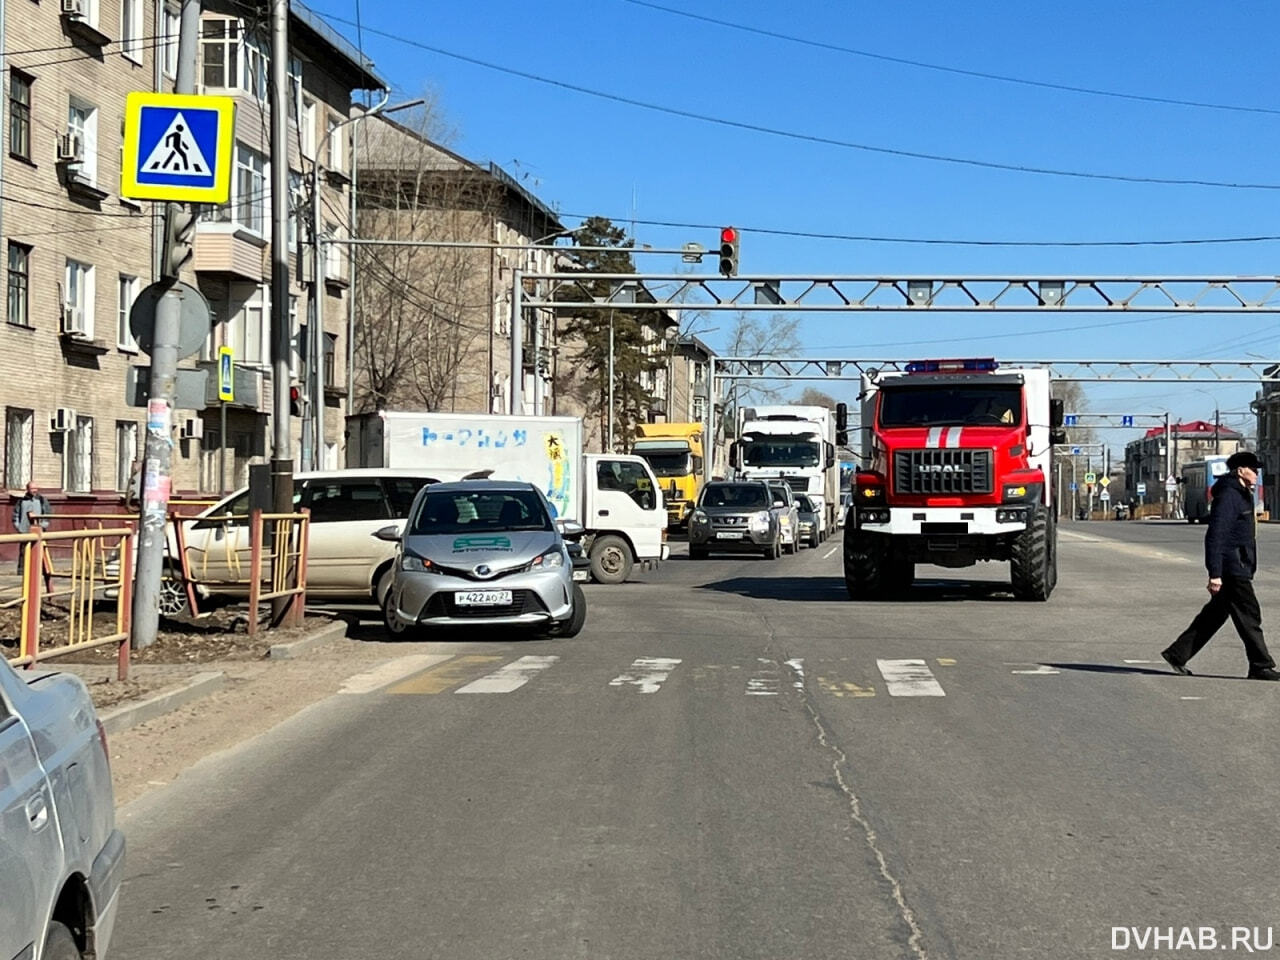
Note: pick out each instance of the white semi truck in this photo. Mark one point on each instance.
(615, 497)
(795, 444)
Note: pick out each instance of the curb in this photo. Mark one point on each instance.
(131, 714)
(296, 648)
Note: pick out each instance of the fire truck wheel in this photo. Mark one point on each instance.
(1031, 560)
(864, 567)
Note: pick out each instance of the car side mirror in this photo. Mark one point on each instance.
(390, 534)
(570, 529)
(779, 503)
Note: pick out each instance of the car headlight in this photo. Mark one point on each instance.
(412, 563)
(1021, 492)
(551, 560)
(759, 521)
(697, 517)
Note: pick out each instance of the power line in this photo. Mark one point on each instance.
(960, 71)
(815, 138)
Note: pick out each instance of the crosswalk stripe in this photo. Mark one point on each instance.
(797, 669)
(446, 675)
(909, 678)
(391, 671)
(646, 673)
(767, 682)
(511, 676)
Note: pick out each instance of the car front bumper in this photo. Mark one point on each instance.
(429, 599)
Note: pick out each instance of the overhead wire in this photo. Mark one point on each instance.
(817, 138)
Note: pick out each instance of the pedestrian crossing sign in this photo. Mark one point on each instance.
(178, 147)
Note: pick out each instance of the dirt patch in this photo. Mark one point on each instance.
(110, 693)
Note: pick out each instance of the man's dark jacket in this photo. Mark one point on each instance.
(1231, 545)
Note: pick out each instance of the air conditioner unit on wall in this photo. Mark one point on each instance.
(63, 420)
(193, 428)
(73, 324)
(70, 147)
(74, 8)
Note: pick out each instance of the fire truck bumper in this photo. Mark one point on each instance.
(945, 521)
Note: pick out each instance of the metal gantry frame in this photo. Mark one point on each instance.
(954, 294)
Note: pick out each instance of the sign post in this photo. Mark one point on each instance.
(226, 395)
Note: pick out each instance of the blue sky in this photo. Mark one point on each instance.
(586, 155)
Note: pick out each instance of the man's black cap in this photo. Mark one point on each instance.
(1244, 458)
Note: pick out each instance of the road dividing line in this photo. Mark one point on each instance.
(830, 553)
(447, 675)
(1139, 661)
(946, 661)
(1038, 671)
(1191, 698)
(909, 678)
(391, 671)
(512, 676)
(844, 688)
(646, 673)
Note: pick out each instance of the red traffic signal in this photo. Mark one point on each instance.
(295, 401)
(729, 251)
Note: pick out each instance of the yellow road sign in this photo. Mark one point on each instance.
(178, 147)
(1103, 481)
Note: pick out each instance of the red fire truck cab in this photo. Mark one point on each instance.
(957, 469)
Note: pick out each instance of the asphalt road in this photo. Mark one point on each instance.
(734, 761)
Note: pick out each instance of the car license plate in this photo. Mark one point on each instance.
(729, 535)
(483, 598)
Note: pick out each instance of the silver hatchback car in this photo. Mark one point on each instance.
(482, 553)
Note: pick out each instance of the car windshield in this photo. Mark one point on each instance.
(968, 405)
(744, 495)
(804, 504)
(480, 511)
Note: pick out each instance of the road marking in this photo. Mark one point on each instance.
(909, 678)
(647, 673)
(1139, 661)
(447, 675)
(946, 661)
(391, 671)
(1040, 671)
(766, 683)
(1191, 698)
(797, 668)
(845, 688)
(830, 553)
(510, 677)
(1133, 549)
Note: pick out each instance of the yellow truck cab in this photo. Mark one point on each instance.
(674, 453)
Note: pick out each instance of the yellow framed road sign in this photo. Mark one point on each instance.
(178, 147)
(226, 375)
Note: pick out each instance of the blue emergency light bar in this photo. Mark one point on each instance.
(952, 366)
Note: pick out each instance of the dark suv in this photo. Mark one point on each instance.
(735, 515)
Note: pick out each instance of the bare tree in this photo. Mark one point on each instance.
(756, 336)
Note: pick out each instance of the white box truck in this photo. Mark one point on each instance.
(615, 497)
(795, 444)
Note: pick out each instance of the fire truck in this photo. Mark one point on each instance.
(956, 469)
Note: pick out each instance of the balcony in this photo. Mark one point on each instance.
(228, 251)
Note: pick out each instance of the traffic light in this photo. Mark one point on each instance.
(842, 424)
(179, 231)
(729, 251)
(295, 401)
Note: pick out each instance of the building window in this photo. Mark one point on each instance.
(330, 358)
(169, 37)
(19, 440)
(20, 114)
(82, 129)
(335, 146)
(131, 29)
(127, 292)
(699, 409)
(297, 207)
(307, 128)
(247, 330)
(19, 284)
(332, 253)
(126, 452)
(296, 332)
(78, 304)
(220, 52)
(249, 197)
(78, 457)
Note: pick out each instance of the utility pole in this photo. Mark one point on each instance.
(609, 449)
(157, 466)
(282, 442)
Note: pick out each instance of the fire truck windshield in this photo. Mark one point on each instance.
(967, 405)
(781, 451)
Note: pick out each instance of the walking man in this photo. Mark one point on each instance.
(1231, 555)
(32, 504)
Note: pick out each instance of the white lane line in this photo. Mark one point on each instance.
(766, 683)
(909, 678)
(1040, 671)
(511, 676)
(830, 553)
(389, 672)
(646, 673)
(1191, 698)
(797, 668)
(1139, 661)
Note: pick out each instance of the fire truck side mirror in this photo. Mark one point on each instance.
(734, 453)
(842, 417)
(1056, 414)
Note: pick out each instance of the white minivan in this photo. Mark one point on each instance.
(345, 562)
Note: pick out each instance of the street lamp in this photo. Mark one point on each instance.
(313, 423)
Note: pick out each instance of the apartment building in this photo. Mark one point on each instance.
(1146, 459)
(78, 254)
(433, 325)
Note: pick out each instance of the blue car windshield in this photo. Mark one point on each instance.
(482, 511)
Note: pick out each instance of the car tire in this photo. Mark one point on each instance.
(382, 581)
(395, 629)
(174, 600)
(814, 540)
(610, 560)
(577, 620)
(793, 547)
(773, 551)
(1030, 560)
(59, 944)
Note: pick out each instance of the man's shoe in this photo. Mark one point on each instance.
(1177, 667)
(1264, 673)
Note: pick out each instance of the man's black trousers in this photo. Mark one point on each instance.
(1236, 600)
